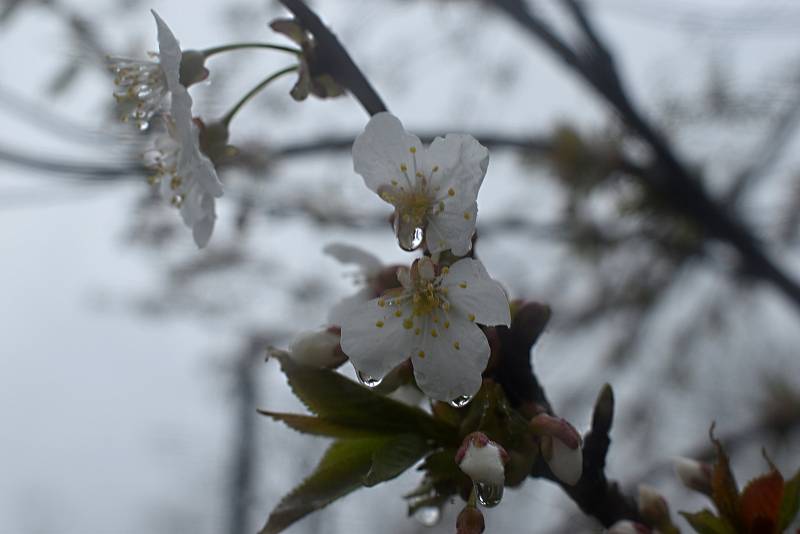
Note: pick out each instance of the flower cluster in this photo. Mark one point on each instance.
(431, 315)
(186, 177)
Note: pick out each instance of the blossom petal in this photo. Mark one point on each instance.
(368, 262)
(202, 229)
(382, 148)
(453, 360)
(462, 162)
(452, 229)
(375, 339)
(566, 463)
(340, 311)
(472, 292)
(169, 53)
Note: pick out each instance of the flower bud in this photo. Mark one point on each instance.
(561, 447)
(318, 348)
(653, 507)
(192, 68)
(628, 527)
(694, 475)
(482, 459)
(470, 521)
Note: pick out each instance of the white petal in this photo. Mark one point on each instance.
(453, 360)
(462, 162)
(452, 229)
(566, 463)
(369, 263)
(339, 312)
(472, 292)
(382, 148)
(374, 338)
(169, 53)
(483, 464)
(202, 229)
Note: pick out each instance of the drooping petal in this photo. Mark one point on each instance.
(382, 148)
(368, 262)
(472, 292)
(454, 354)
(202, 229)
(375, 339)
(169, 53)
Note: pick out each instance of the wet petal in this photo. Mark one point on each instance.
(169, 53)
(472, 292)
(381, 150)
(455, 353)
(375, 339)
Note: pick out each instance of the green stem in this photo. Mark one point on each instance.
(472, 501)
(208, 52)
(226, 119)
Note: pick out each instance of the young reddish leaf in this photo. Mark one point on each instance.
(724, 491)
(790, 503)
(705, 522)
(760, 502)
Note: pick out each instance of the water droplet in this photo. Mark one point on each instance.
(367, 380)
(460, 402)
(428, 515)
(489, 494)
(409, 235)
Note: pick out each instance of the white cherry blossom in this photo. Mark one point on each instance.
(432, 319)
(369, 267)
(433, 189)
(143, 85)
(187, 177)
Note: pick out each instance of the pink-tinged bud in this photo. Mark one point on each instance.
(470, 521)
(561, 447)
(318, 348)
(482, 459)
(628, 527)
(653, 506)
(694, 475)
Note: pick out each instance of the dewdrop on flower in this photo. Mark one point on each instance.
(433, 189)
(142, 86)
(483, 461)
(433, 320)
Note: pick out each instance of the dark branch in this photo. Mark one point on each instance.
(334, 58)
(667, 175)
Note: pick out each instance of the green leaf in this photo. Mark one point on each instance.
(397, 455)
(790, 504)
(308, 424)
(705, 522)
(340, 471)
(339, 400)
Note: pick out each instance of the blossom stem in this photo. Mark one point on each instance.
(226, 119)
(208, 52)
(473, 498)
